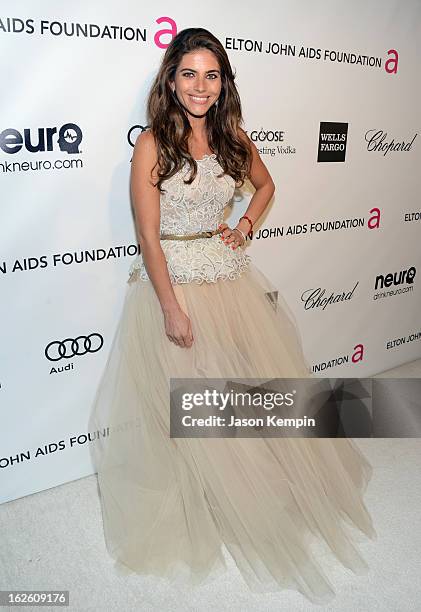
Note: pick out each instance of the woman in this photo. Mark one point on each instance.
(197, 307)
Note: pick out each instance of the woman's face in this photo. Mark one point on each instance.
(197, 81)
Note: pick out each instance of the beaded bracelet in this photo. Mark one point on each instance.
(251, 224)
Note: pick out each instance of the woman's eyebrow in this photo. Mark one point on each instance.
(193, 70)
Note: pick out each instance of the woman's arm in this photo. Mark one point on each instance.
(262, 182)
(146, 201)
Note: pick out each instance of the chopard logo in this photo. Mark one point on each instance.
(69, 347)
(376, 141)
(314, 298)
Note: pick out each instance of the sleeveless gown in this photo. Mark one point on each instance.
(170, 505)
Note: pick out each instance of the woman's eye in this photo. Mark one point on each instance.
(187, 74)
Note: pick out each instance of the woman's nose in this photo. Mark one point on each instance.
(200, 84)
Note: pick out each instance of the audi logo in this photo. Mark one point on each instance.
(69, 347)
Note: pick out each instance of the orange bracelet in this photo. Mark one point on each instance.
(251, 224)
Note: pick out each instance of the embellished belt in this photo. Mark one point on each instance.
(191, 236)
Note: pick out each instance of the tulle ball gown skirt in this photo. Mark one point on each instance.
(169, 505)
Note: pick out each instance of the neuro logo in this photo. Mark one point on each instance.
(72, 347)
(68, 137)
(332, 141)
(403, 277)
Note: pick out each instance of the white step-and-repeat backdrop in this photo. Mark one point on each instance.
(331, 97)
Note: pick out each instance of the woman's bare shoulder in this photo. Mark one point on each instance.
(146, 142)
(145, 153)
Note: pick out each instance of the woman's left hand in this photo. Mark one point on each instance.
(231, 237)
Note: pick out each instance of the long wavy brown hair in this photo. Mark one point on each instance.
(170, 126)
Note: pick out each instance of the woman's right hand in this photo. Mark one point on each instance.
(178, 328)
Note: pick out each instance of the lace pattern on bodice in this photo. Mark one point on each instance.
(187, 209)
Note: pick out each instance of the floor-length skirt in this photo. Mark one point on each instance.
(169, 505)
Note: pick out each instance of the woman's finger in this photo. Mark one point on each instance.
(225, 235)
(223, 226)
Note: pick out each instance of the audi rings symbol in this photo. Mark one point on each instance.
(71, 347)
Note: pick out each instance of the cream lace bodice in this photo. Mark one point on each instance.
(187, 209)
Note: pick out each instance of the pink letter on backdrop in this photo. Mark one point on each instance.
(374, 220)
(172, 31)
(392, 64)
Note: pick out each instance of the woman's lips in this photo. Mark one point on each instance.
(199, 100)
